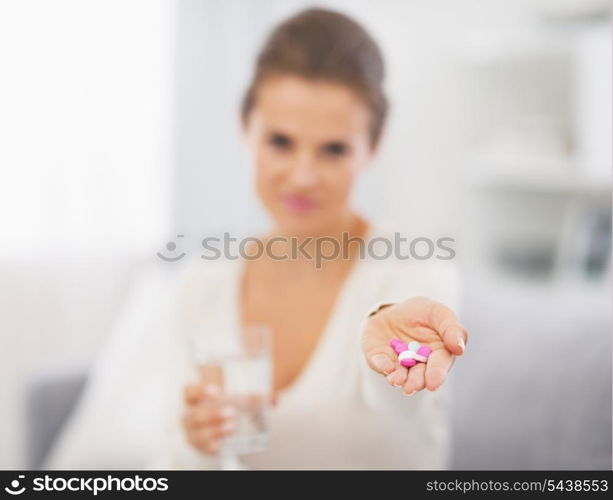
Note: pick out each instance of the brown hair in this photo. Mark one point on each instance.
(321, 44)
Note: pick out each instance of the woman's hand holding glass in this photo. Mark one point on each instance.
(207, 420)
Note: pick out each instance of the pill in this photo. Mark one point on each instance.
(408, 362)
(407, 355)
(424, 351)
(393, 342)
(400, 347)
(413, 346)
(419, 357)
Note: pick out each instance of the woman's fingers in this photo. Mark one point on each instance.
(398, 377)
(437, 367)
(197, 393)
(213, 432)
(209, 439)
(379, 355)
(207, 419)
(208, 414)
(430, 375)
(192, 393)
(204, 406)
(415, 379)
(210, 447)
(453, 333)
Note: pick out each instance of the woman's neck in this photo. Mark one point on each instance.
(333, 245)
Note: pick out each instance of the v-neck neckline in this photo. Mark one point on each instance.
(324, 337)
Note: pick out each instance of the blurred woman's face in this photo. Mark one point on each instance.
(309, 140)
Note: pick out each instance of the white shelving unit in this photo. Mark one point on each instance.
(541, 180)
(540, 206)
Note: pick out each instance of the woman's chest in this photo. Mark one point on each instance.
(298, 317)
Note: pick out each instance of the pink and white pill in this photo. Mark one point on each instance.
(406, 355)
(414, 346)
(394, 342)
(424, 351)
(401, 347)
(407, 358)
(420, 358)
(408, 362)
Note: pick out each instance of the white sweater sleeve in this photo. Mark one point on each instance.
(129, 414)
(104, 429)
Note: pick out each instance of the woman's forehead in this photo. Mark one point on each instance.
(294, 105)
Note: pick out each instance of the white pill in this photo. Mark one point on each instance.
(407, 355)
(413, 346)
(419, 357)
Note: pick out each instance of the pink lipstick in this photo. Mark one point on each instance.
(299, 204)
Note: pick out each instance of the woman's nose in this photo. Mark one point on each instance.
(304, 172)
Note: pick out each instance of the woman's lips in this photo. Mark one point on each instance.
(299, 204)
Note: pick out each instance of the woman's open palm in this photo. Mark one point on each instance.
(416, 319)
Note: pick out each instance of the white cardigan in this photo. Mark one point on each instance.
(130, 415)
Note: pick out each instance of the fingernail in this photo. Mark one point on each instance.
(408, 393)
(227, 412)
(390, 378)
(461, 343)
(383, 363)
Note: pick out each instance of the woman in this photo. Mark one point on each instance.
(313, 118)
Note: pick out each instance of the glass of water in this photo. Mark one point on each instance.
(239, 363)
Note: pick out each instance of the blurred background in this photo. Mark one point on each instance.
(119, 126)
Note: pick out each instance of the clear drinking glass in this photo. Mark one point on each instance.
(239, 363)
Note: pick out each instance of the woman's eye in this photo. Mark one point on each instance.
(280, 141)
(335, 149)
